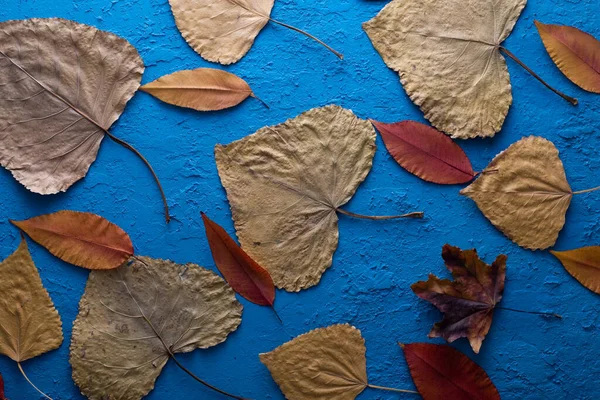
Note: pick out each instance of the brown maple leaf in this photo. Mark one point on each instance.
(468, 302)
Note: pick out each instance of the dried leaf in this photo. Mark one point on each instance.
(524, 192)
(284, 185)
(83, 239)
(583, 264)
(203, 89)
(116, 351)
(441, 372)
(468, 302)
(447, 54)
(323, 364)
(63, 85)
(30, 325)
(426, 152)
(242, 273)
(576, 53)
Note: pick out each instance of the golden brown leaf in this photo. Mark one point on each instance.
(524, 192)
(583, 264)
(203, 89)
(323, 364)
(83, 239)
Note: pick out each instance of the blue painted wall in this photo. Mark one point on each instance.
(527, 356)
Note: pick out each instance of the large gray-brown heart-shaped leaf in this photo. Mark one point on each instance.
(447, 54)
(285, 183)
(117, 349)
(524, 192)
(62, 85)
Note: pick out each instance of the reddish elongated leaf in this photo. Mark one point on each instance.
(426, 152)
(243, 274)
(2, 388)
(441, 372)
(575, 53)
(83, 239)
(583, 264)
(468, 302)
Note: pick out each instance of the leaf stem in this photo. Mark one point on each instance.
(137, 153)
(531, 312)
(277, 315)
(587, 190)
(570, 99)
(379, 218)
(259, 99)
(337, 53)
(31, 383)
(391, 389)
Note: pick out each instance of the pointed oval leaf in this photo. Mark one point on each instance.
(62, 85)
(323, 364)
(441, 372)
(524, 192)
(83, 239)
(242, 273)
(202, 89)
(426, 152)
(30, 325)
(575, 53)
(583, 264)
(115, 350)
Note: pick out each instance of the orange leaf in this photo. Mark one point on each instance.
(583, 264)
(243, 274)
(576, 53)
(83, 239)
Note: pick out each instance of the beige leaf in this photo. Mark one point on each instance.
(62, 85)
(203, 89)
(447, 55)
(221, 30)
(323, 364)
(115, 349)
(524, 192)
(284, 185)
(29, 323)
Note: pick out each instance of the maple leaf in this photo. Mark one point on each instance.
(468, 302)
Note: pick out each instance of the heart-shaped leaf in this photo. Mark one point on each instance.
(583, 264)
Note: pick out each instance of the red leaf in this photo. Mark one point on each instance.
(2, 388)
(243, 274)
(441, 372)
(426, 152)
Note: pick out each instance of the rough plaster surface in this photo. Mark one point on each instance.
(527, 356)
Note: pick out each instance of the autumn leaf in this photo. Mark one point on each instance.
(583, 264)
(133, 319)
(63, 85)
(524, 192)
(83, 239)
(426, 152)
(223, 31)
(576, 53)
(441, 372)
(30, 324)
(202, 89)
(468, 302)
(448, 56)
(2, 397)
(285, 185)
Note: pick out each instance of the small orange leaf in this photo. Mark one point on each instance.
(576, 53)
(83, 239)
(583, 264)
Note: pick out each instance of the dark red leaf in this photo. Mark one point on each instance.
(243, 274)
(441, 372)
(2, 388)
(426, 152)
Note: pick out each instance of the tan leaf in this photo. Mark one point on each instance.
(524, 192)
(203, 89)
(323, 364)
(30, 325)
(63, 85)
(583, 264)
(447, 55)
(83, 239)
(284, 185)
(116, 351)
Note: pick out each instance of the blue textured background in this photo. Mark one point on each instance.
(527, 356)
